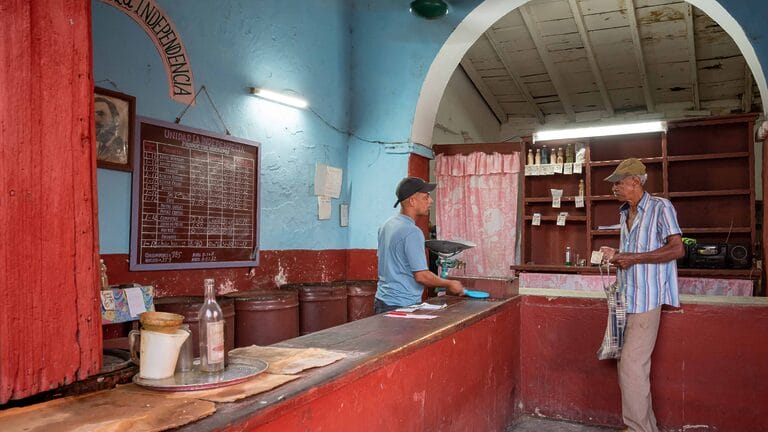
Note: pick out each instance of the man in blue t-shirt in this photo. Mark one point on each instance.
(403, 270)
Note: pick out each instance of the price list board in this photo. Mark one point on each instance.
(195, 199)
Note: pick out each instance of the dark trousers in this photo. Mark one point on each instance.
(381, 307)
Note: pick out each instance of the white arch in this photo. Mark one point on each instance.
(490, 11)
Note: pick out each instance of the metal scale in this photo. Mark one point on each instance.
(446, 251)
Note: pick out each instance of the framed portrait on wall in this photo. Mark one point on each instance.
(114, 115)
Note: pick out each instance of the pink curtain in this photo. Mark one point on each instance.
(476, 200)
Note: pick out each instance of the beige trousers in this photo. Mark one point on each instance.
(635, 370)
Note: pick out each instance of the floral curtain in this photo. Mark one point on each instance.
(476, 200)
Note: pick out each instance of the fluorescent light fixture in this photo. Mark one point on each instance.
(622, 129)
(279, 97)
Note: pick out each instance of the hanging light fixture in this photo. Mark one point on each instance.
(429, 9)
(279, 97)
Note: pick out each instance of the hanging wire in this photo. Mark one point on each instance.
(213, 105)
(348, 133)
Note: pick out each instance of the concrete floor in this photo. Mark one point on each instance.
(536, 424)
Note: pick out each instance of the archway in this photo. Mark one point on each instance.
(490, 11)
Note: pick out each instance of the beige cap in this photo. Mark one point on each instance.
(627, 167)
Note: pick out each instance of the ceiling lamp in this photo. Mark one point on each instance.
(429, 9)
(622, 129)
(279, 97)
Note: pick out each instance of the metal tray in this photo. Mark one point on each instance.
(197, 380)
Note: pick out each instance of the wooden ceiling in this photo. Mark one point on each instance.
(573, 62)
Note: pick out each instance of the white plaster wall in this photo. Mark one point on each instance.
(463, 115)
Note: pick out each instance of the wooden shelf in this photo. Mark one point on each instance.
(753, 274)
(695, 157)
(709, 193)
(613, 198)
(549, 199)
(605, 232)
(554, 218)
(715, 230)
(616, 162)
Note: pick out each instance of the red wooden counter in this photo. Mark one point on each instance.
(455, 372)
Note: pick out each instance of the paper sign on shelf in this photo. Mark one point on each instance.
(568, 168)
(557, 168)
(577, 168)
(536, 219)
(561, 218)
(327, 180)
(579, 199)
(556, 196)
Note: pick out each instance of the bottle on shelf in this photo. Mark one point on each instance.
(544, 155)
(553, 155)
(569, 153)
(530, 156)
(103, 275)
(211, 333)
(581, 187)
(568, 256)
(560, 155)
(537, 158)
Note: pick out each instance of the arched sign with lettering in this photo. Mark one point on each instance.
(163, 33)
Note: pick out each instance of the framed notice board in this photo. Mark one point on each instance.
(195, 199)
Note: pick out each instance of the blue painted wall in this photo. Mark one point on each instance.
(360, 64)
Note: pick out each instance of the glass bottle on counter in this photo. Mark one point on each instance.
(530, 157)
(537, 160)
(211, 322)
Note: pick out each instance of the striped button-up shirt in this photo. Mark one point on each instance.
(650, 285)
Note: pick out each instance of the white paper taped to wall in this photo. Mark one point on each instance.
(327, 180)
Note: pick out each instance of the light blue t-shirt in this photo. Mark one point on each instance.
(400, 253)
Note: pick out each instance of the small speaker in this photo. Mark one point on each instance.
(739, 257)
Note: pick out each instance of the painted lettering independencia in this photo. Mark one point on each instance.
(174, 52)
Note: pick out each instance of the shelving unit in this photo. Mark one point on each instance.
(704, 166)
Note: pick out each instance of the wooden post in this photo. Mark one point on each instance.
(50, 328)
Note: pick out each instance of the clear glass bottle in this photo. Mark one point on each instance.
(544, 155)
(568, 256)
(552, 155)
(560, 155)
(581, 187)
(211, 322)
(537, 158)
(530, 156)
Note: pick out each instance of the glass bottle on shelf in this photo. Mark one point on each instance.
(530, 156)
(559, 155)
(544, 155)
(569, 153)
(568, 256)
(211, 331)
(553, 155)
(103, 275)
(537, 159)
(581, 187)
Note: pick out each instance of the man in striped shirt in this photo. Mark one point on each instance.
(650, 244)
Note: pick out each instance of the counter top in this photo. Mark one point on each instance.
(370, 343)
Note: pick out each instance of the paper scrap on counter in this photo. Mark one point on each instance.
(323, 207)
(327, 180)
(596, 258)
(409, 315)
(135, 301)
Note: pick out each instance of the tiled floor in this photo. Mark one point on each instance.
(535, 424)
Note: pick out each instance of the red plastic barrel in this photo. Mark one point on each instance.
(360, 297)
(189, 308)
(322, 306)
(265, 317)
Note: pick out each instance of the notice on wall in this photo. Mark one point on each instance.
(327, 180)
(195, 199)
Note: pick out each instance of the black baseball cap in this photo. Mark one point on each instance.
(409, 186)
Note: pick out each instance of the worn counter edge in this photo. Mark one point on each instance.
(315, 383)
(684, 298)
